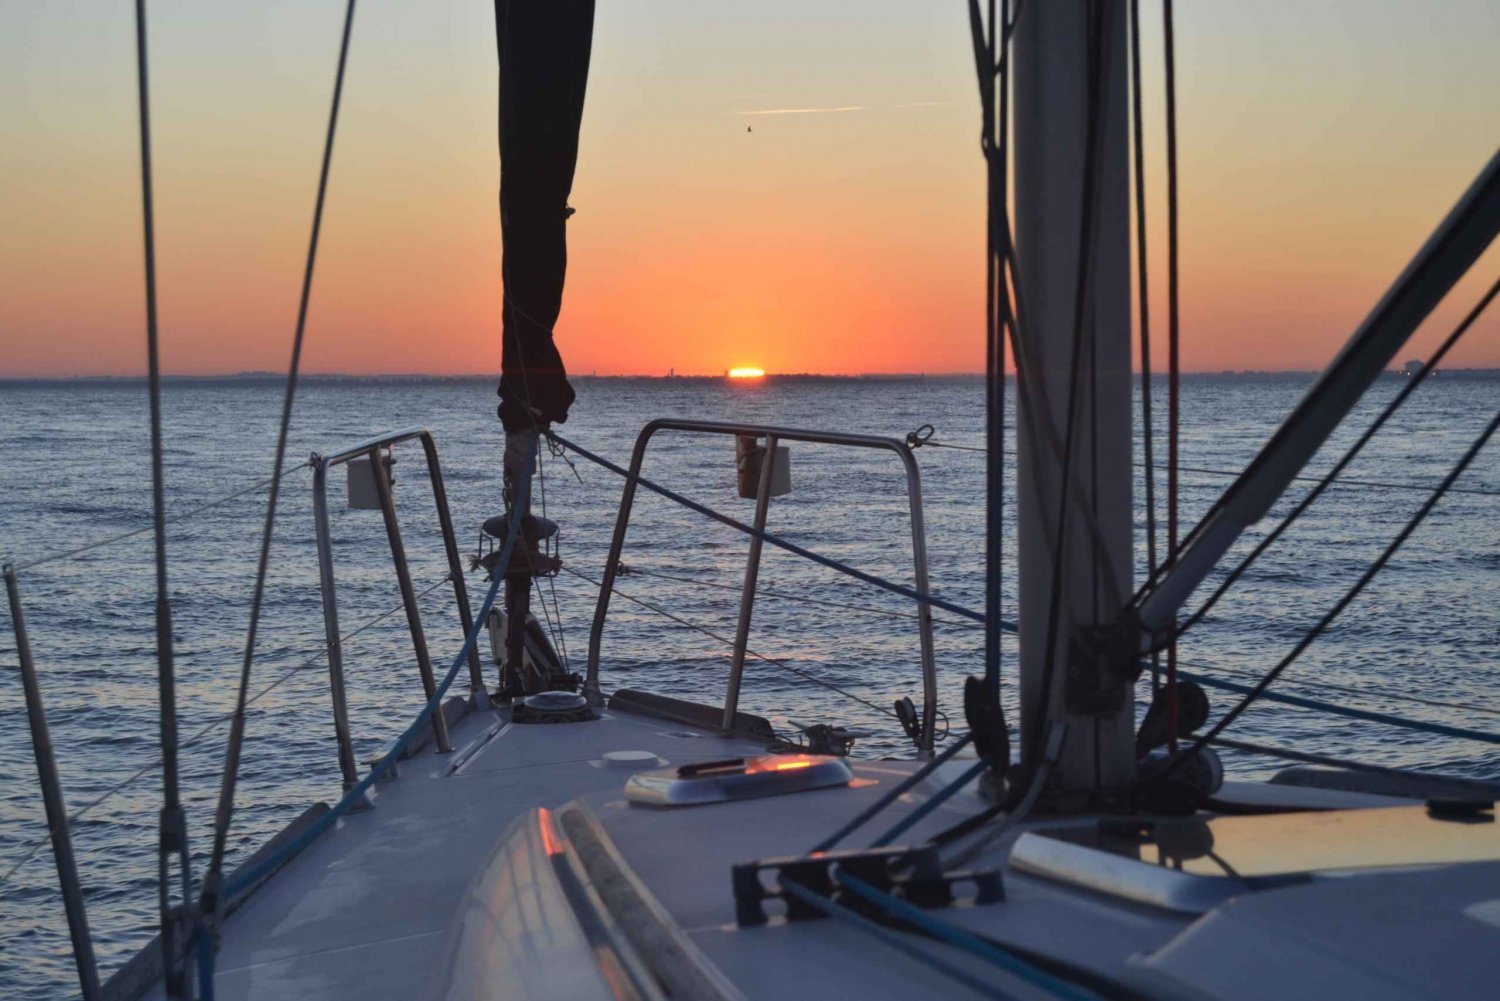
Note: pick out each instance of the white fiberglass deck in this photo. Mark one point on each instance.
(368, 910)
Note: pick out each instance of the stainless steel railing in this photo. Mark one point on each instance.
(372, 449)
(773, 435)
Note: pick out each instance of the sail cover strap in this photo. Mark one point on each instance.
(544, 66)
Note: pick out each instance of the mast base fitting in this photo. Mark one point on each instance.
(1094, 684)
(912, 874)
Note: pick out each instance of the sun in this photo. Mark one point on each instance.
(747, 373)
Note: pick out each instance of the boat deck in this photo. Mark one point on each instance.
(405, 899)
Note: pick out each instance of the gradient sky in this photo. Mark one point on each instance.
(1321, 141)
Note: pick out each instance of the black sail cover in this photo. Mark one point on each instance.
(544, 66)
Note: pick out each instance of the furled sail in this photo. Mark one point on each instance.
(544, 65)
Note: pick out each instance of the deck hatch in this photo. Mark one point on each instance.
(732, 779)
(1193, 864)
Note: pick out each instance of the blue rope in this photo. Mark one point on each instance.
(955, 936)
(242, 878)
(775, 540)
(1442, 729)
(938, 799)
(892, 938)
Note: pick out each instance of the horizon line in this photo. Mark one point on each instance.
(254, 374)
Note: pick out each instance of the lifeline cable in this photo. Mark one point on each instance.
(210, 897)
(247, 876)
(133, 533)
(1343, 481)
(775, 540)
(173, 822)
(197, 736)
(688, 624)
(888, 613)
(946, 606)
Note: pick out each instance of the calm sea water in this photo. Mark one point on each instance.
(76, 469)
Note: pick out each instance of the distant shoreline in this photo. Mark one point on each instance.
(417, 378)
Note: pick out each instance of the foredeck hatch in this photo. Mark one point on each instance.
(1292, 843)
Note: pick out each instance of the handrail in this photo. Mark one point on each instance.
(372, 448)
(773, 435)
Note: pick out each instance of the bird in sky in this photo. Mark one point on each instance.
(749, 129)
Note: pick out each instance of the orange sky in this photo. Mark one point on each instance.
(1320, 144)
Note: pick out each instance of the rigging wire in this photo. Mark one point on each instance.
(1361, 690)
(1420, 726)
(559, 640)
(250, 874)
(1174, 339)
(1143, 292)
(173, 822)
(688, 624)
(775, 540)
(889, 613)
(170, 519)
(1332, 475)
(1199, 673)
(210, 898)
(198, 735)
(1343, 602)
(1308, 757)
(1343, 481)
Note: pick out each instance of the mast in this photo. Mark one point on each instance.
(544, 51)
(1055, 43)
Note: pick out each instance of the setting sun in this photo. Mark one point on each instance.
(747, 373)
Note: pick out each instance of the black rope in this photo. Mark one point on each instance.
(210, 901)
(1328, 478)
(1353, 592)
(991, 72)
(173, 823)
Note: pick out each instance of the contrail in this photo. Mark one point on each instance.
(800, 111)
